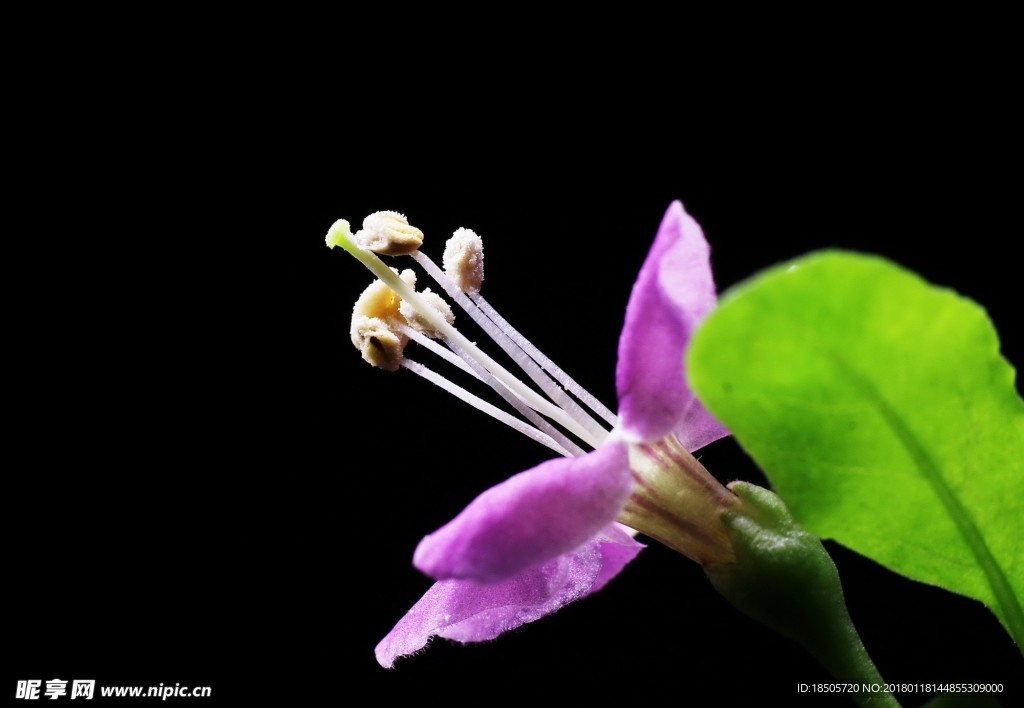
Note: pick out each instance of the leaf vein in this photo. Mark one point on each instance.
(932, 472)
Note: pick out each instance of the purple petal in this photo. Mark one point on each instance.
(617, 549)
(698, 427)
(467, 611)
(530, 518)
(673, 292)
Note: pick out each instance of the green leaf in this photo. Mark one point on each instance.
(880, 409)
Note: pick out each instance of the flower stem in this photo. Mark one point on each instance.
(784, 578)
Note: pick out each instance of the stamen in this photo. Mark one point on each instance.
(437, 349)
(516, 402)
(339, 235)
(544, 362)
(378, 342)
(463, 260)
(380, 301)
(565, 445)
(375, 321)
(480, 374)
(512, 348)
(389, 232)
(417, 322)
(483, 406)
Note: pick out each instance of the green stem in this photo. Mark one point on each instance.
(784, 578)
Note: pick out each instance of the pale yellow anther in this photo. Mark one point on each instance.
(388, 233)
(464, 260)
(380, 301)
(375, 321)
(378, 342)
(418, 322)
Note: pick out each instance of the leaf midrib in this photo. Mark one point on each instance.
(931, 471)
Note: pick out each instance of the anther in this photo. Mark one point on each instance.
(463, 260)
(378, 300)
(378, 342)
(388, 233)
(418, 322)
(376, 324)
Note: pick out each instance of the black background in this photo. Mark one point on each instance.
(211, 488)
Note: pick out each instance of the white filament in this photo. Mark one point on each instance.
(513, 400)
(520, 349)
(537, 355)
(483, 406)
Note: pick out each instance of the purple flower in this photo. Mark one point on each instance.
(552, 534)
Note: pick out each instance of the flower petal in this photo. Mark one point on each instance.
(698, 427)
(617, 549)
(467, 611)
(530, 518)
(674, 291)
